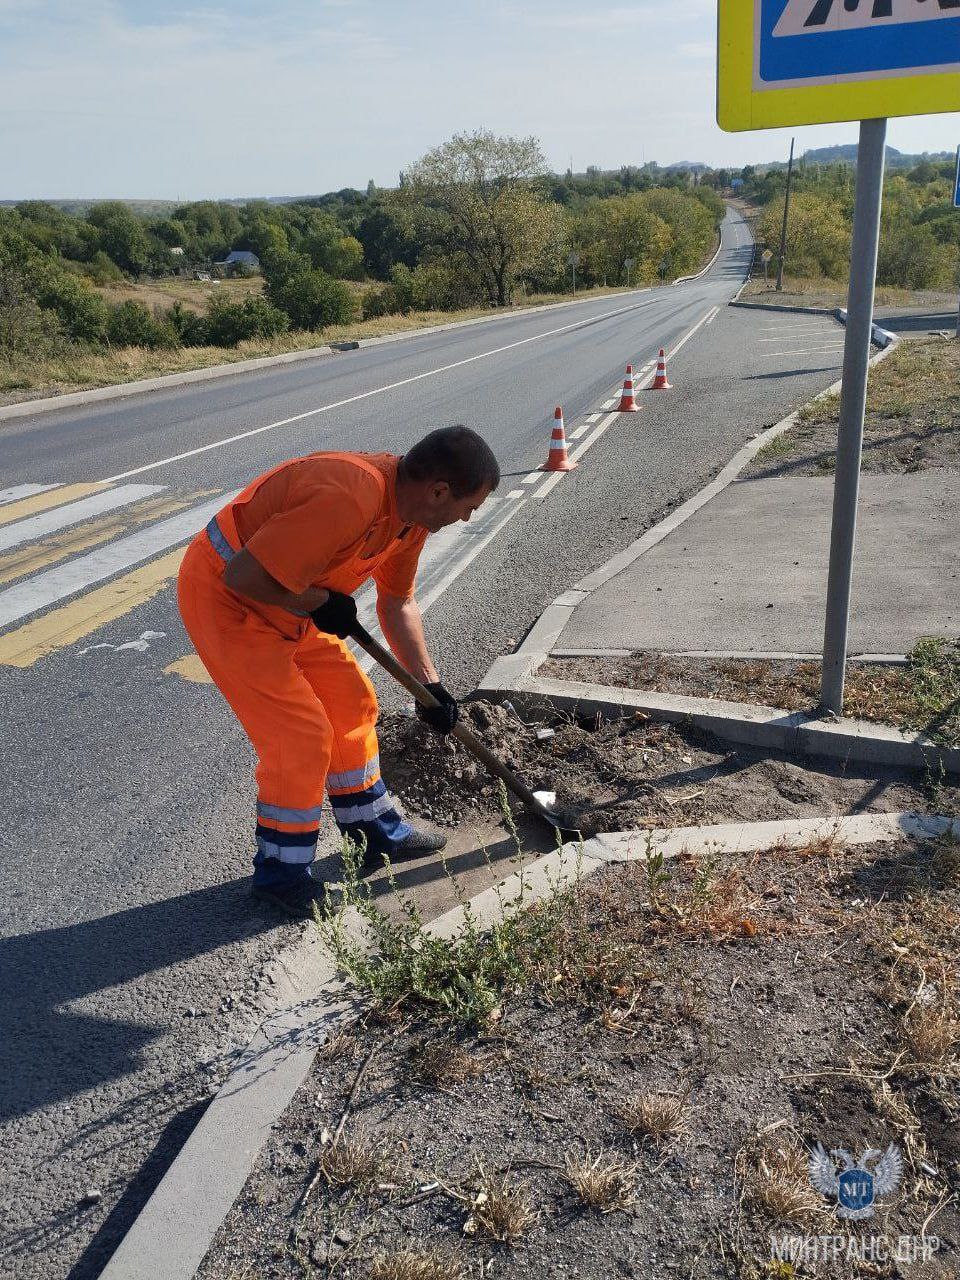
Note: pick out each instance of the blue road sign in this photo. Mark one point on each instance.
(817, 41)
(787, 62)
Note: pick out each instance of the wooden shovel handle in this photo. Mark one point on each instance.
(460, 731)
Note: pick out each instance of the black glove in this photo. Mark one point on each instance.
(338, 616)
(440, 719)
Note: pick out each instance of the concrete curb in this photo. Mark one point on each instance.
(142, 386)
(881, 338)
(767, 728)
(173, 1232)
(776, 306)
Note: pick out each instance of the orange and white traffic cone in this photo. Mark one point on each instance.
(660, 382)
(557, 459)
(628, 402)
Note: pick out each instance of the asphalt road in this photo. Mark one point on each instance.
(131, 956)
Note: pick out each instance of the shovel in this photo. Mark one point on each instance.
(541, 803)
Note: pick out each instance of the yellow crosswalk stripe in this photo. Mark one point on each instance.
(74, 621)
(189, 668)
(23, 561)
(46, 501)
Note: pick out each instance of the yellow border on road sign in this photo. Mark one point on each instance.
(741, 106)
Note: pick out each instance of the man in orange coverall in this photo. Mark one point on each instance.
(265, 593)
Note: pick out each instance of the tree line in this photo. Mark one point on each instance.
(919, 233)
(478, 220)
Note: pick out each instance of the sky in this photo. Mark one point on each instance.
(182, 101)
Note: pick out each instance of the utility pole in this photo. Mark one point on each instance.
(786, 214)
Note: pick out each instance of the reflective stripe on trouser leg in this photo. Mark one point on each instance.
(282, 857)
(370, 818)
(361, 804)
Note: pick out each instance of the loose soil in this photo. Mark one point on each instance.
(786, 999)
(912, 422)
(630, 773)
(914, 697)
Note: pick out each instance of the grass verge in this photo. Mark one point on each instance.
(82, 370)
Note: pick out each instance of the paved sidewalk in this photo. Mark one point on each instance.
(747, 573)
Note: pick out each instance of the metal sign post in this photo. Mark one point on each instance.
(573, 261)
(956, 205)
(853, 399)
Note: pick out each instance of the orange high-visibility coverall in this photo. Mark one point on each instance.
(327, 520)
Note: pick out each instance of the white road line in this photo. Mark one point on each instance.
(24, 491)
(594, 417)
(608, 404)
(47, 588)
(687, 336)
(33, 527)
(515, 493)
(365, 395)
(716, 312)
(532, 478)
(798, 338)
(807, 351)
(555, 477)
(792, 328)
(581, 430)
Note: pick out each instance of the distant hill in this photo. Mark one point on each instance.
(847, 154)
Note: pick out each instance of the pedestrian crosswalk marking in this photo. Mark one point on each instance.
(80, 618)
(55, 497)
(37, 526)
(806, 17)
(18, 491)
(57, 584)
(31, 559)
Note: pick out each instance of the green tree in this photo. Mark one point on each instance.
(482, 186)
(122, 235)
(313, 300)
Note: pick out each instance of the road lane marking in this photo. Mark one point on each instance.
(189, 668)
(375, 391)
(53, 585)
(29, 560)
(79, 619)
(553, 480)
(55, 497)
(98, 504)
(19, 491)
(805, 351)
(583, 428)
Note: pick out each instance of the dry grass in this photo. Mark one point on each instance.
(818, 291)
(354, 1160)
(655, 1115)
(931, 1033)
(196, 295)
(502, 1209)
(444, 1062)
(418, 1262)
(918, 379)
(776, 1178)
(604, 1182)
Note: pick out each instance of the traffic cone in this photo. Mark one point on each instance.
(628, 403)
(660, 382)
(557, 459)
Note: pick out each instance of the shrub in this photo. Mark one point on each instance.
(132, 325)
(81, 312)
(227, 323)
(379, 301)
(25, 328)
(313, 300)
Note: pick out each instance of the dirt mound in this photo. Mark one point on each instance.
(439, 779)
(629, 773)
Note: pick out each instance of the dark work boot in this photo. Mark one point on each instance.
(420, 841)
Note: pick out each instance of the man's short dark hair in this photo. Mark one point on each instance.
(454, 454)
